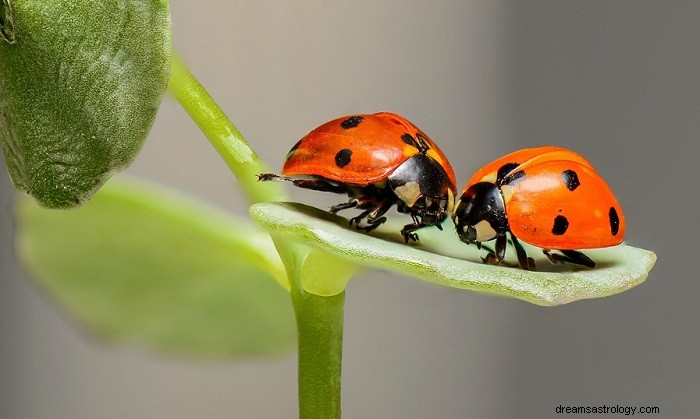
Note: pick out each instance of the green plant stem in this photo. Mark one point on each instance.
(320, 333)
(223, 135)
(319, 319)
(320, 338)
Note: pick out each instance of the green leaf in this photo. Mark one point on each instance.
(441, 258)
(80, 84)
(141, 266)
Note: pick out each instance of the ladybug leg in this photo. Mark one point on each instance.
(494, 258)
(525, 262)
(490, 257)
(501, 242)
(376, 218)
(350, 204)
(358, 200)
(319, 185)
(372, 216)
(578, 258)
(357, 220)
(408, 232)
(552, 257)
(314, 184)
(264, 177)
(570, 256)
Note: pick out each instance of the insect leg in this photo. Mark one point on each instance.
(264, 177)
(375, 218)
(314, 184)
(501, 242)
(525, 262)
(408, 232)
(570, 256)
(350, 204)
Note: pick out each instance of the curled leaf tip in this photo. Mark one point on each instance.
(441, 258)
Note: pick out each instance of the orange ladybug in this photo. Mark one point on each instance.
(378, 160)
(549, 197)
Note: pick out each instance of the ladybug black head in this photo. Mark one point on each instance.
(423, 188)
(480, 214)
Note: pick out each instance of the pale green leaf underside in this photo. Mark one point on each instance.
(145, 267)
(442, 258)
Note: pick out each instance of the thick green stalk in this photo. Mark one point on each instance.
(320, 338)
(222, 134)
(320, 332)
(319, 319)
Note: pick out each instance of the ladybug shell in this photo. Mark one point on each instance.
(360, 149)
(498, 169)
(561, 204)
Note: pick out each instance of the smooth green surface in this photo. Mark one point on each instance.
(243, 162)
(320, 329)
(80, 84)
(326, 275)
(320, 336)
(142, 266)
(319, 319)
(442, 258)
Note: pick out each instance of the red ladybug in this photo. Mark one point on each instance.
(378, 160)
(549, 197)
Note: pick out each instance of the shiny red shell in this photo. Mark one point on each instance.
(360, 149)
(555, 199)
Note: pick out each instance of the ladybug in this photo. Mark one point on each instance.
(378, 160)
(549, 197)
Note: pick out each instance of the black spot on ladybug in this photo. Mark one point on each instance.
(408, 139)
(503, 171)
(514, 177)
(342, 159)
(352, 122)
(570, 179)
(614, 221)
(421, 144)
(560, 225)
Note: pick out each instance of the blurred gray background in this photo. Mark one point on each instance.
(617, 81)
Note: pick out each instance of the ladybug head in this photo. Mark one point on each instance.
(423, 188)
(480, 214)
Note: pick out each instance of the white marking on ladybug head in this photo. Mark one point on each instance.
(491, 178)
(408, 193)
(484, 231)
(507, 192)
(450, 202)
